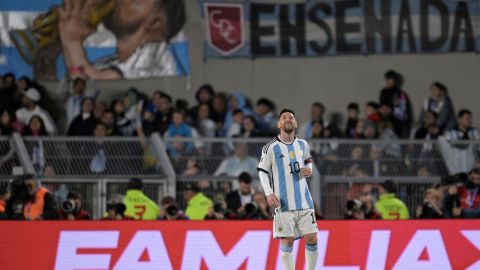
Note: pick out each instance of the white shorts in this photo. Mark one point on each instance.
(296, 223)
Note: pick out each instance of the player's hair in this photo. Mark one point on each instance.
(175, 16)
(285, 111)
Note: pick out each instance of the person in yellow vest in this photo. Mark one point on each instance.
(40, 204)
(389, 206)
(139, 206)
(198, 204)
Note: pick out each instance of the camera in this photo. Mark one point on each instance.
(68, 206)
(172, 210)
(354, 205)
(218, 208)
(250, 209)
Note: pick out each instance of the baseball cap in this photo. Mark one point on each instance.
(33, 94)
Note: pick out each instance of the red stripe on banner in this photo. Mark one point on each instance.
(432, 244)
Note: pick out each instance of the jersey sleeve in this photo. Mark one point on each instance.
(307, 158)
(265, 163)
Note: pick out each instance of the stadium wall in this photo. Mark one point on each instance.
(335, 81)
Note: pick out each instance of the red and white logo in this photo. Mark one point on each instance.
(225, 31)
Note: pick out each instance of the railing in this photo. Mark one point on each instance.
(99, 168)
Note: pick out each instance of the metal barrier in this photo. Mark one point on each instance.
(96, 193)
(341, 165)
(208, 154)
(8, 158)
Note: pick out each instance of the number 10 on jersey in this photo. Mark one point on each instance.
(294, 167)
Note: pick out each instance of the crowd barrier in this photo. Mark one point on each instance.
(342, 245)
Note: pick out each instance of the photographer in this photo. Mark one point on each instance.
(218, 211)
(30, 201)
(72, 208)
(355, 210)
(431, 205)
(258, 209)
(464, 200)
(4, 196)
(116, 211)
(238, 199)
(170, 210)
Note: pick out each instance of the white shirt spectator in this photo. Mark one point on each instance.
(24, 115)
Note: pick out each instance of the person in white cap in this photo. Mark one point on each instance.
(30, 108)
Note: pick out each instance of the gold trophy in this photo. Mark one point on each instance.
(44, 30)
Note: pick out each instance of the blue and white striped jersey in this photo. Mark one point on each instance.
(282, 162)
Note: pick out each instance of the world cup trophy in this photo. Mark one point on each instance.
(44, 30)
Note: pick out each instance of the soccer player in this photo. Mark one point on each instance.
(286, 161)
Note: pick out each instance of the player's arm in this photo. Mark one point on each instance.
(264, 168)
(307, 169)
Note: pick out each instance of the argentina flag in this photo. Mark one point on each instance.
(101, 39)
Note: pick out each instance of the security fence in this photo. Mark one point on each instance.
(99, 168)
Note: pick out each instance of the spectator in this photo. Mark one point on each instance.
(133, 102)
(35, 127)
(4, 197)
(193, 168)
(72, 208)
(204, 96)
(353, 112)
(72, 94)
(316, 114)
(397, 99)
(38, 203)
(388, 205)
(235, 126)
(369, 130)
(108, 120)
(98, 109)
(431, 207)
(469, 197)
(8, 92)
(163, 111)
(139, 206)
(237, 102)
(249, 128)
(98, 162)
(198, 204)
(179, 129)
(170, 210)
(463, 130)
(219, 111)
(238, 199)
(240, 162)
(429, 130)
(371, 111)
(440, 103)
(6, 127)
(266, 117)
(84, 123)
(123, 124)
(205, 126)
(31, 107)
(387, 120)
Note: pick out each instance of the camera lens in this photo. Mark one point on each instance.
(172, 210)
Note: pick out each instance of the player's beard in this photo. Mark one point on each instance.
(119, 26)
(288, 128)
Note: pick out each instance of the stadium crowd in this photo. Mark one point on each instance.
(26, 107)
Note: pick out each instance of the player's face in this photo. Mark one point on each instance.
(287, 122)
(128, 16)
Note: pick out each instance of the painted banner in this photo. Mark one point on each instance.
(256, 28)
(102, 39)
(346, 245)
